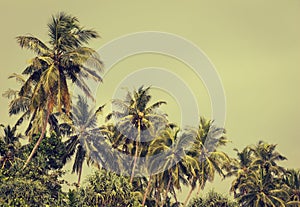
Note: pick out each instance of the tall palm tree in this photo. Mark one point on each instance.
(258, 179)
(86, 140)
(170, 148)
(63, 58)
(240, 167)
(207, 139)
(260, 189)
(266, 156)
(137, 120)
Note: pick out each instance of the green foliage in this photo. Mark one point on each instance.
(212, 199)
(105, 188)
(50, 152)
(25, 192)
(9, 146)
(192, 157)
(259, 179)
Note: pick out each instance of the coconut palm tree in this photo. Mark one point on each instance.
(9, 145)
(64, 58)
(291, 182)
(169, 164)
(240, 167)
(258, 179)
(266, 156)
(207, 139)
(137, 120)
(260, 189)
(86, 140)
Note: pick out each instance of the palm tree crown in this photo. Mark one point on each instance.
(64, 58)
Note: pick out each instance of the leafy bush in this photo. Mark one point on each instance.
(212, 199)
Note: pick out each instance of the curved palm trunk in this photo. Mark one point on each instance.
(175, 197)
(136, 152)
(199, 188)
(37, 144)
(167, 190)
(147, 190)
(157, 195)
(188, 196)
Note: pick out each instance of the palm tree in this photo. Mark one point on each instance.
(64, 58)
(258, 179)
(86, 140)
(9, 145)
(291, 182)
(240, 167)
(138, 121)
(260, 189)
(207, 139)
(169, 148)
(266, 156)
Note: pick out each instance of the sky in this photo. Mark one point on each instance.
(254, 47)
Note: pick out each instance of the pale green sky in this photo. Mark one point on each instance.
(254, 45)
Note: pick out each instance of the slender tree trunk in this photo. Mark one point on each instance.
(157, 194)
(79, 176)
(134, 161)
(136, 152)
(147, 190)
(175, 197)
(188, 196)
(167, 190)
(37, 144)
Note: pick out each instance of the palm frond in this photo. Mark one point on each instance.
(33, 44)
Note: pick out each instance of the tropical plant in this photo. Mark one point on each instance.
(266, 156)
(169, 148)
(137, 120)
(212, 199)
(86, 140)
(33, 186)
(207, 139)
(9, 146)
(50, 154)
(260, 189)
(64, 58)
(291, 182)
(240, 167)
(258, 179)
(26, 192)
(108, 189)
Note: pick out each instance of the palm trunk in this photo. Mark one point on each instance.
(37, 144)
(147, 190)
(175, 197)
(199, 188)
(134, 162)
(79, 176)
(167, 190)
(188, 196)
(157, 194)
(136, 152)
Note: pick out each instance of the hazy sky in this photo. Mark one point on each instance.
(254, 46)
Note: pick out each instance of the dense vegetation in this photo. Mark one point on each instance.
(59, 131)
